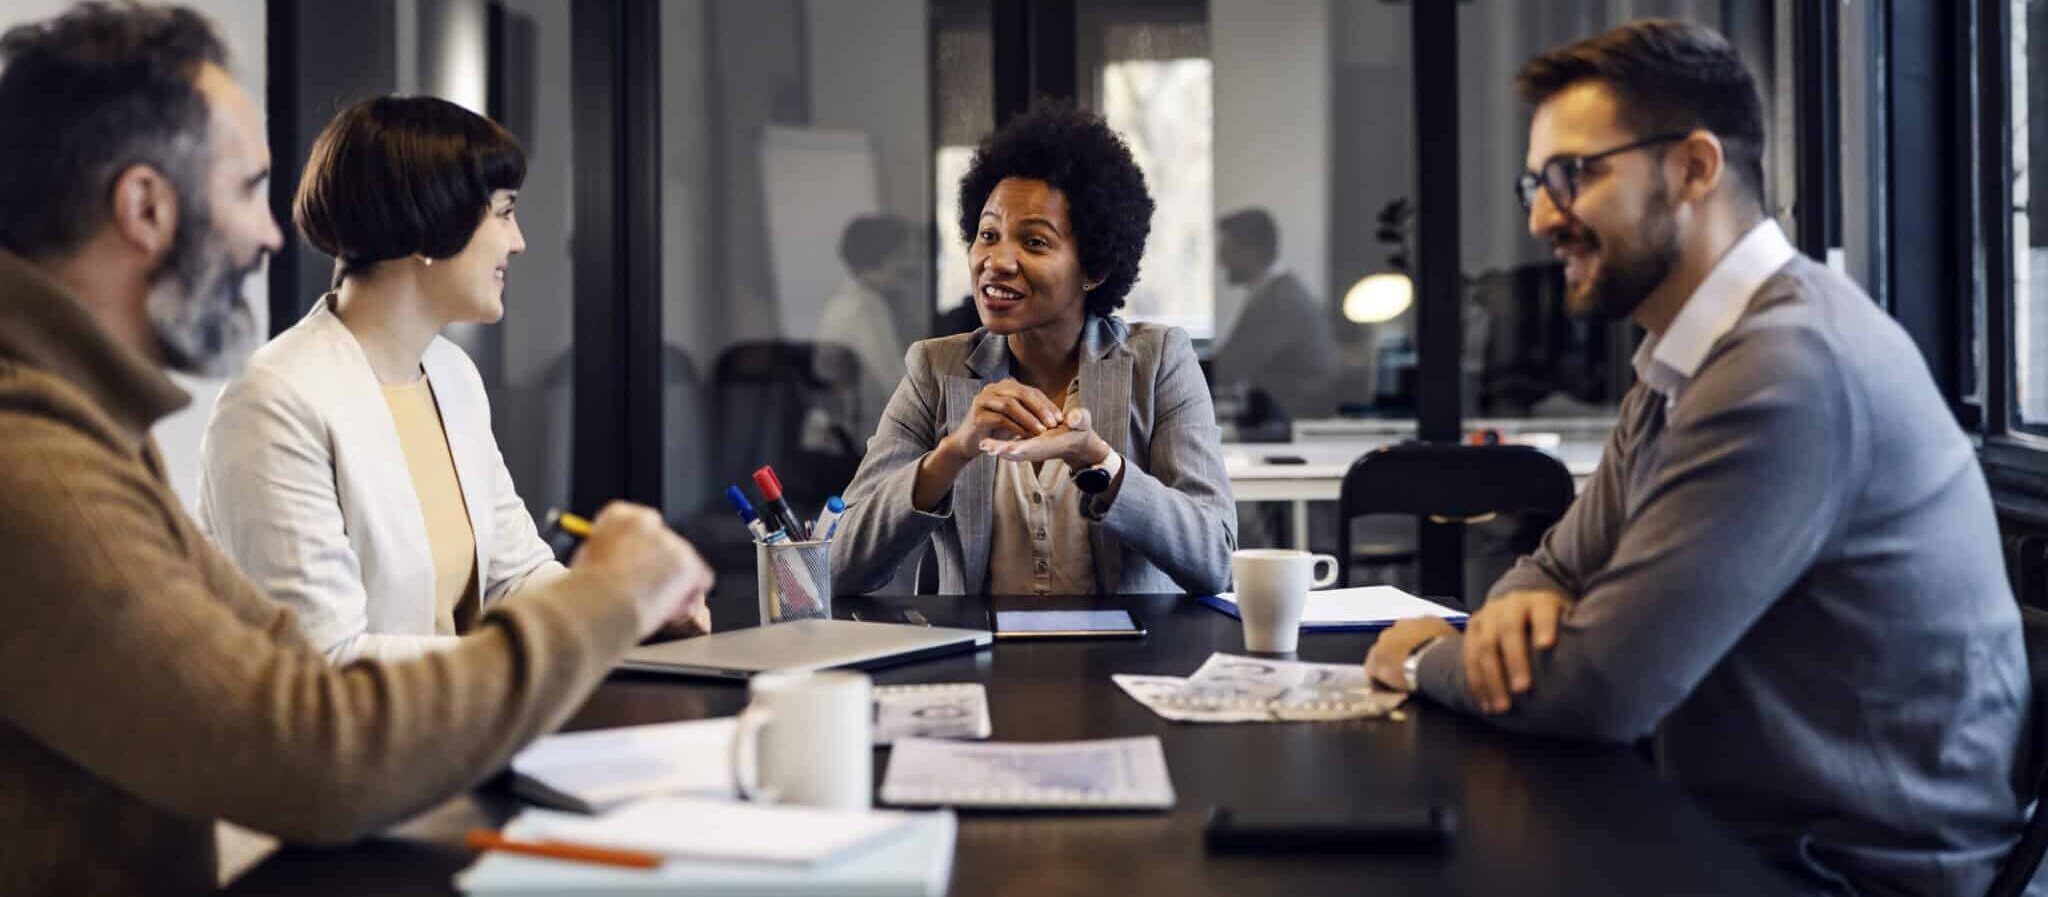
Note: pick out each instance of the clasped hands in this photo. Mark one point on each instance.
(1016, 422)
(1499, 642)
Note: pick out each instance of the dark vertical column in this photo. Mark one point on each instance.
(1927, 126)
(1033, 44)
(1817, 117)
(1053, 52)
(281, 104)
(614, 68)
(1439, 282)
(321, 57)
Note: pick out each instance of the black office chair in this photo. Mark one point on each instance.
(780, 403)
(1447, 487)
(2025, 859)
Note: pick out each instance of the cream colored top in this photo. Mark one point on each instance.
(449, 538)
(1038, 539)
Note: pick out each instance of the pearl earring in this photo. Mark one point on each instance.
(427, 262)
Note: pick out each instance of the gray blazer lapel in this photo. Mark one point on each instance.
(974, 491)
(1106, 392)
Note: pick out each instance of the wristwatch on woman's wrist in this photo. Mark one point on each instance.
(1096, 478)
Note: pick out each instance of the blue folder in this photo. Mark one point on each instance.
(1381, 607)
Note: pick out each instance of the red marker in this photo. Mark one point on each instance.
(779, 510)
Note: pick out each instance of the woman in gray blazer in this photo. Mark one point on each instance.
(1058, 449)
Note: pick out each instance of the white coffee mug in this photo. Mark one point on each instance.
(805, 739)
(1272, 588)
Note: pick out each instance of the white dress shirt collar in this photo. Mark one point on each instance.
(1666, 363)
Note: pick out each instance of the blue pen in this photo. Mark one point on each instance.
(746, 511)
(828, 519)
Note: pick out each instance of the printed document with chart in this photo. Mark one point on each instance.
(1229, 688)
(1111, 774)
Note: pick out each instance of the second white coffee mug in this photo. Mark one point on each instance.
(805, 739)
(1272, 587)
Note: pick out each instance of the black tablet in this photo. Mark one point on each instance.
(1019, 624)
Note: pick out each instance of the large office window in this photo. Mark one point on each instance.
(1146, 68)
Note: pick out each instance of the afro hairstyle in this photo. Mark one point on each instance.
(1076, 153)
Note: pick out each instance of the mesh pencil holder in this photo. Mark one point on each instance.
(795, 580)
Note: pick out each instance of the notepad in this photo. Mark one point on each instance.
(916, 860)
(1110, 774)
(1363, 608)
(589, 771)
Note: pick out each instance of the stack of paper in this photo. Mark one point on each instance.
(792, 851)
(1112, 774)
(1233, 689)
(1364, 608)
(588, 771)
(695, 828)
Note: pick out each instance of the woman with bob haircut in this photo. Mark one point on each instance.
(1058, 449)
(351, 470)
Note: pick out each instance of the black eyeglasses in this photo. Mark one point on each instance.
(1561, 175)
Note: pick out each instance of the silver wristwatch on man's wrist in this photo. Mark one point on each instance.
(1411, 666)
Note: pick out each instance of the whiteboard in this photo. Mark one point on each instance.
(815, 182)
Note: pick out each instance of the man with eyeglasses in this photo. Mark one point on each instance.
(1786, 569)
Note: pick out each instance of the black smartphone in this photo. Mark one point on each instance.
(1408, 829)
(1029, 624)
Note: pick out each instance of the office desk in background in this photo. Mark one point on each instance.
(1537, 817)
(1255, 477)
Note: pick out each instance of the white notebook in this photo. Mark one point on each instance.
(697, 828)
(591, 770)
(1112, 774)
(915, 861)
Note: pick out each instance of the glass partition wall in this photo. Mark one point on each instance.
(802, 173)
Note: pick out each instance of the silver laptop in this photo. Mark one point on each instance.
(801, 645)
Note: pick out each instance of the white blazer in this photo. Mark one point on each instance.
(304, 485)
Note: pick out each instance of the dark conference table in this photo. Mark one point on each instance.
(1536, 816)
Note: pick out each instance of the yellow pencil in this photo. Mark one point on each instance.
(559, 519)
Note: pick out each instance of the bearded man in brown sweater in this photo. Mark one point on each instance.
(146, 688)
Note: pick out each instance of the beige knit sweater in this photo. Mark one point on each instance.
(146, 688)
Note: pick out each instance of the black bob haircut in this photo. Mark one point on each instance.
(396, 176)
(1667, 76)
(1107, 203)
(88, 95)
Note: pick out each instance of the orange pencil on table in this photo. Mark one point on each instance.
(485, 839)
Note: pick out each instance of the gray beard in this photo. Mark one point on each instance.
(204, 326)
